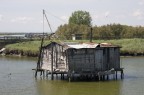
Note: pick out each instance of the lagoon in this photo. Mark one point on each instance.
(17, 78)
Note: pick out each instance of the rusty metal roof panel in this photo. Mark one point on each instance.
(108, 45)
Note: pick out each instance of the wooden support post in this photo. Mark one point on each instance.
(35, 73)
(69, 79)
(43, 73)
(47, 74)
(52, 77)
(116, 75)
(61, 75)
(122, 74)
(107, 77)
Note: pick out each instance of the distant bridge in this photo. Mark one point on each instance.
(10, 39)
(7, 37)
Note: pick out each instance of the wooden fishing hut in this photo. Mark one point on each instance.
(81, 59)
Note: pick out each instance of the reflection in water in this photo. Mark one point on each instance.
(16, 78)
(58, 87)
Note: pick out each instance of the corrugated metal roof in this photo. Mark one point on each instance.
(90, 45)
(83, 45)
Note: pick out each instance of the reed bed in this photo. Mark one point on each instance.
(31, 48)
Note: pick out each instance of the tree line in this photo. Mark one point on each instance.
(80, 23)
(106, 32)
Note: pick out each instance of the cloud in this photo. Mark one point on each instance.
(139, 14)
(64, 18)
(106, 14)
(22, 20)
(141, 2)
(1, 17)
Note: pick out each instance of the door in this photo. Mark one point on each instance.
(99, 60)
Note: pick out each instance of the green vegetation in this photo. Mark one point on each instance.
(31, 48)
(105, 32)
(80, 18)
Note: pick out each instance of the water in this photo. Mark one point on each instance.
(17, 78)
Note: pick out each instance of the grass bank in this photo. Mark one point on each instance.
(31, 48)
(131, 47)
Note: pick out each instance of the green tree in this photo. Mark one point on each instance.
(80, 18)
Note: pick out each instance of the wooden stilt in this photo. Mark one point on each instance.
(69, 79)
(41, 72)
(122, 74)
(47, 74)
(52, 77)
(107, 77)
(35, 73)
(61, 75)
(116, 75)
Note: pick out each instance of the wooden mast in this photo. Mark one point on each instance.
(40, 50)
(39, 64)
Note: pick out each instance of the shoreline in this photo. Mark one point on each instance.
(21, 53)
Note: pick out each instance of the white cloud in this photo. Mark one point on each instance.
(64, 18)
(22, 20)
(139, 14)
(1, 17)
(141, 2)
(106, 14)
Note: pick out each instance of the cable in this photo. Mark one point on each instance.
(55, 16)
(47, 21)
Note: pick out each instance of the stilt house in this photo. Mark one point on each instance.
(80, 59)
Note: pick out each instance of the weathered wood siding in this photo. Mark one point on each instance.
(117, 58)
(54, 55)
(81, 60)
(106, 59)
(114, 57)
(99, 60)
(46, 60)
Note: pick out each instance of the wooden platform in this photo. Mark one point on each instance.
(102, 75)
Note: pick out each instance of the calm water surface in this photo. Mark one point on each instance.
(17, 78)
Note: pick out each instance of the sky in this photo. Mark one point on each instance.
(27, 16)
